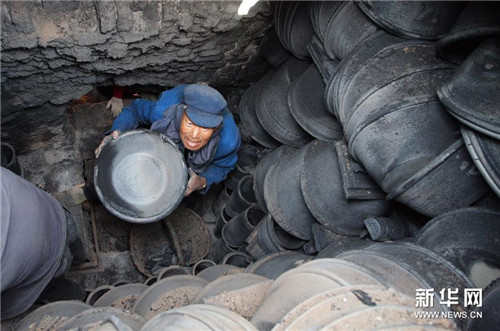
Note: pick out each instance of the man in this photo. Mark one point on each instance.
(195, 117)
(36, 233)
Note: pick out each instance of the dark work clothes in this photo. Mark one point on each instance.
(33, 238)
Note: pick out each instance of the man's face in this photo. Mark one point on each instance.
(193, 136)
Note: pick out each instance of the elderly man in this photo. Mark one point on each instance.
(195, 117)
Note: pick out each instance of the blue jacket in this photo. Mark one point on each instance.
(145, 113)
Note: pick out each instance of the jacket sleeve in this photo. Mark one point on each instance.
(144, 112)
(140, 112)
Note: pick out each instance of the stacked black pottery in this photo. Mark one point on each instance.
(389, 119)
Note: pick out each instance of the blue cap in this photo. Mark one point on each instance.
(204, 105)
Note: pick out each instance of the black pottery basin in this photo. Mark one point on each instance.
(336, 87)
(52, 314)
(284, 198)
(249, 120)
(261, 171)
(485, 152)
(347, 29)
(478, 21)
(471, 94)
(450, 181)
(111, 317)
(466, 237)
(490, 309)
(321, 12)
(140, 177)
(272, 108)
(414, 19)
(306, 103)
(322, 189)
(198, 317)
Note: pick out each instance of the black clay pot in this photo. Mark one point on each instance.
(450, 181)
(123, 297)
(113, 317)
(322, 189)
(284, 198)
(220, 200)
(395, 146)
(248, 157)
(272, 50)
(219, 249)
(247, 161)
(414, 86)
(490, 309)
(356, 182)
(239, 259)
(346, 29)
(222, 219)
(343, 244)
(392, 309)
(273, 112)
(322, 238)
(320, 13)
(485, 152)
(471, 94)
(389, 64)
(385, 228)
(198, 317)
(98, 292)
(314, 277)
(300, 31)
(268, 237)
(412, 132)
(467, 238)
(248, 114)
(174, 270)
(273, 265)
(227, 292)
(181, 238)
(294, 27)
(241, 198)
(140, 177)
(53, 313)
(478, 21)
(261, 170)
(202, 265)
(306, 103)
(414, 19)
(396, 118)
(150, 280)
(168, 293)
(407, 267)
(327, 67)
(212, 273)
(239, 227)
(336, 87)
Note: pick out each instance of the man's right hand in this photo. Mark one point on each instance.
(114, 135)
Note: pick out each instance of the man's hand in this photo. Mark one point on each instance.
(115, 105)
(114, 135)
(195, 183)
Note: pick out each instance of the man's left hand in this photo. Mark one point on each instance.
(195, 183)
